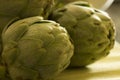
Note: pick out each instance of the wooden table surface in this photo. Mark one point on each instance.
(107, 68)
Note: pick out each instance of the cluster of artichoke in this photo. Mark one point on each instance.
(41, 38)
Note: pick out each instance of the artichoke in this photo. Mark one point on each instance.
(60, 3)
(35, 49)
(10, 9)
(92, 32)
(4, 21)
(25, 8)
(63, 2)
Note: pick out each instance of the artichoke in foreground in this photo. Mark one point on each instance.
(35, 49)
(92, 31)
(4, 21)
(10, 9)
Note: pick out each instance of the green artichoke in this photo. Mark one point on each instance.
(35, 49)
(10, 9)
(25, 8)
(4, 21)
(91, 30)
(61, 3)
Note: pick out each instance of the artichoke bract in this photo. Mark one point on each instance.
(91, 30)
(4, 21)
(25, 8)
(36, 49)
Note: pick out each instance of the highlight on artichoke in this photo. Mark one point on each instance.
(91, 30)
(35, 49)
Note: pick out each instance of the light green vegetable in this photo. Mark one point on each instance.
(92, 31)
(4, 21)
(36, 49)
(10, 9)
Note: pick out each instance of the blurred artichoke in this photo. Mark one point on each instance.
(25, 8)
(35, 49)
(64, 2)
(92, 31)
(60, 3)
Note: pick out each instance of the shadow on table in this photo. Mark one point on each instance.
(88, 74)
(107, 68)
